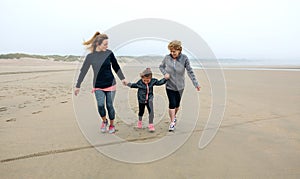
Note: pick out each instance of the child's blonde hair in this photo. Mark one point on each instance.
(96, 40)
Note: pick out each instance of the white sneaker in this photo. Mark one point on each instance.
(175, 120)
(172, 126)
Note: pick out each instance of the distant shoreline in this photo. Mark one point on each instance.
(225, 64)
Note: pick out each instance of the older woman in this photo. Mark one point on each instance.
(173, 68)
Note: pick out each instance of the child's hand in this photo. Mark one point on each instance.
(167, 76)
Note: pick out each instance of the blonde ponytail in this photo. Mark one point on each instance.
(97, 39)
(92, 39)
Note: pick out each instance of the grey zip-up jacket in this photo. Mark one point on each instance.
(176, 69)
(145, 92)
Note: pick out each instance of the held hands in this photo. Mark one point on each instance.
(167, 76)
(124, 82)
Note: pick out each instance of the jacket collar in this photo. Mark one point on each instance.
(178, 58)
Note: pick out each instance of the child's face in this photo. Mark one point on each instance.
(146, 80)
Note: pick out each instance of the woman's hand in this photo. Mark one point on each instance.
(198, 88)
(76, 91)
(124, 82)
(167, 76)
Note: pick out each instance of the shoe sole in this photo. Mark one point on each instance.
(151, 130)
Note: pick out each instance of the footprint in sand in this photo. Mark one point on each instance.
(27, 102)
(11, 120)
(21, 106)
(2, 109)
(36, 112)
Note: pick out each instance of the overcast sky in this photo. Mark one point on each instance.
(250, 29)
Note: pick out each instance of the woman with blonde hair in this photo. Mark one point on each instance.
(173, 67)
(104, 85)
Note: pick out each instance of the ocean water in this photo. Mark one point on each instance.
(224, 63)
(247, 64)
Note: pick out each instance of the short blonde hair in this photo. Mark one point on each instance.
(175, 45)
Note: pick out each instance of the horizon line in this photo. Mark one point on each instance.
(151, 55)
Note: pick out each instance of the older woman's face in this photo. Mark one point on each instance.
(174, 53)
(104, 45)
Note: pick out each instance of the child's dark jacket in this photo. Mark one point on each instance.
(145, 92)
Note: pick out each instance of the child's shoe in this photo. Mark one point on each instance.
(139, 124)
(111, 129)
(151, 128)
(104, 126)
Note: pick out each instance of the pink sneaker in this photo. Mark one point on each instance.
(111, 129)
(104, 126)
(151, 128)
(139, 124)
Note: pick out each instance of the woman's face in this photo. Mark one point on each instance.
(103, 46)
(175, 53)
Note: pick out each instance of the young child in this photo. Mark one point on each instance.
(145, 95)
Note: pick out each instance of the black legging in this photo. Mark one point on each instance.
(174, 98)
(149, 105)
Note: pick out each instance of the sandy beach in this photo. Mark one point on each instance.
(40, 137)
